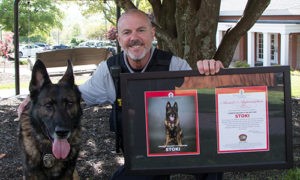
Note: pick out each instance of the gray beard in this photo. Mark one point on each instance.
(135, 58)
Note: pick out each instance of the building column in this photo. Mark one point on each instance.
(250, 49)
(284, 49)
(267, 49)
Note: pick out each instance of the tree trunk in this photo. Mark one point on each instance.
(188, 28)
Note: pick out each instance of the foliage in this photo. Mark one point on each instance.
(35, 38)
(37, 17)
(112, 34)
(108, 8)
(75, 41)
(95, 31)
(23, 62)
(94, 7)
(6, 45)
(241, 64)
(292, 174)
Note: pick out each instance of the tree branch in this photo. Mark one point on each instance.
(252, 12)
(125, 4)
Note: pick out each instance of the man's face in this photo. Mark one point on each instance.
(135, 36)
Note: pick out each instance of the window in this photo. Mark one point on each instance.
(260, 47)
(274, 48)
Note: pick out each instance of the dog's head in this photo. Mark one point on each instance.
(171, 112)
(55, 109)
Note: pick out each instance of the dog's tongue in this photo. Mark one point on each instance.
(60, 148)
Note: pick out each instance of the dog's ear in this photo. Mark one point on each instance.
(39, 77)
(68, 77)
(168, 105)
(175, 106)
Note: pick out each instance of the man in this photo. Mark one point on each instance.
(135, 36)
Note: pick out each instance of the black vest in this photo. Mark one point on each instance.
(160, 61)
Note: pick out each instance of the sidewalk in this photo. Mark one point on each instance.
(9, 93)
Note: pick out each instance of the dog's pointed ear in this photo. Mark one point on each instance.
(175, 106)
(168, 105)
(68, 77)
(39, 76)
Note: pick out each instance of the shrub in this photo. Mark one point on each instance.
(241, 64)
(292, 174)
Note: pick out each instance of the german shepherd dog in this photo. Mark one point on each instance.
(173, 130)
(49, 130)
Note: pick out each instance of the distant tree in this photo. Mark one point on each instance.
(76, 30)
(36, 17)
(188, 27)
(96, 31)
(108, 8)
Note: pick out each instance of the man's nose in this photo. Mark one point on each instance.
(134, 35)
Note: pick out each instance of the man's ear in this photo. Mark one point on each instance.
(117, 37)
(153, 31)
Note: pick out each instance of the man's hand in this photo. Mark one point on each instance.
(209, 67)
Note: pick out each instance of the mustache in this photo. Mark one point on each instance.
(135, 43)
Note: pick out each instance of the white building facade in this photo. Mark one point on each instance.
(273, 40)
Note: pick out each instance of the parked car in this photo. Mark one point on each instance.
(110, 45)
(90, 43)
(29, 50)
(43, 45)
(60, 46)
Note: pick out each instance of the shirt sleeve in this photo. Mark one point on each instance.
(99, 89)
(178, 64)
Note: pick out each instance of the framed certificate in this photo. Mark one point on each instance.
(242, 119)
(184, 122)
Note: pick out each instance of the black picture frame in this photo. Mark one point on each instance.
(279, 154)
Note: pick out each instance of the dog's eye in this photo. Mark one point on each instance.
(48, 106)
(69, 104)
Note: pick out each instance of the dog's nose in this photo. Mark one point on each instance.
(62, 132)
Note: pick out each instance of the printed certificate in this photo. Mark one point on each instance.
(242, 119)
(172, 122)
